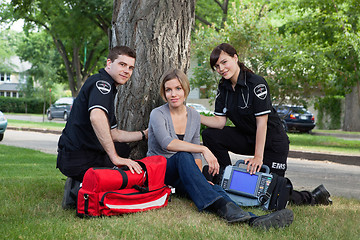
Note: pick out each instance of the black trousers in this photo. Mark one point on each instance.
(221, 141)
(75, 164)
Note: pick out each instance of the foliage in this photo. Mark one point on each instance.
(77, 28)
(325, 39)
(329, 112)
(8, 42)
(303, 48)
(21, 105)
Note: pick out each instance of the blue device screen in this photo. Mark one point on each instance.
(243, 182)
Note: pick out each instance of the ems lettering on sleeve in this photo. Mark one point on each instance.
(103, 86)
(260, 91)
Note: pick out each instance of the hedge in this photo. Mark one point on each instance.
(21, 105)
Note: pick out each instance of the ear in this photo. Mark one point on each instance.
(108, 62)
(236, 57)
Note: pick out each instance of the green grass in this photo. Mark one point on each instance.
(41, 125)
(330, 144)
(31, 194)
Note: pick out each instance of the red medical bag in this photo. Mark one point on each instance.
(107, 191)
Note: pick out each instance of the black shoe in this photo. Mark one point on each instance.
(71, 190)
(321, 195)
(278, 219)
(233, 213)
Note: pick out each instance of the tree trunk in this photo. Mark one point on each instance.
(352, 110)
(159, 31)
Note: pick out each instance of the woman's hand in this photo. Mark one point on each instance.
(214, 166)
(253, 164)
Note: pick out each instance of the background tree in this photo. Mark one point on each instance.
(327, 37)
(78, 29)
(160, 32)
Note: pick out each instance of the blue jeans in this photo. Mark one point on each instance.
(183, 174)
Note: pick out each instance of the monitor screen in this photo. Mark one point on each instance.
(243, 182)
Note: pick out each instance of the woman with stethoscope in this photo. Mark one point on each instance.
(244, 98)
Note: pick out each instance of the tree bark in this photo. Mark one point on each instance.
(159, 31)
(352, 110)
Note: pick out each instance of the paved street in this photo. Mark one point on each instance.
(340, 179)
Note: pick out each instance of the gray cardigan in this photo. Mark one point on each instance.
(162, 132)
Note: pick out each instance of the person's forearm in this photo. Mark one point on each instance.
(213, 121)
(125, 136)
(261, 130)
(100, 124)
(182, 146)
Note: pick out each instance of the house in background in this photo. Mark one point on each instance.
(11, 79)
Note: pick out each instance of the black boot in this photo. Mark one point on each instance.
(233, 213)
(71, 190)
(321, 195)
(278, 219)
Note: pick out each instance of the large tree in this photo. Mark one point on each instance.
(159, 31)
(79, 30)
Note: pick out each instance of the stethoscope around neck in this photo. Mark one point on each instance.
(242, 94)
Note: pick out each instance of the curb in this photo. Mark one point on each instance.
(40, 130)
(342, 159)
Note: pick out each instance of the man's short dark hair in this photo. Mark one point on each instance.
(121, 50)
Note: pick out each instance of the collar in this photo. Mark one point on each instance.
(240, 81)
(106, 76)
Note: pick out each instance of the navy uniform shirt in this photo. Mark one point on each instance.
(251, 98)
(98, 91)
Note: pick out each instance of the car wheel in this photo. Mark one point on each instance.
(49, 117)
(1, 137)
(66, 115)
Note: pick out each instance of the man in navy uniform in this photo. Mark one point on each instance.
(90, 137)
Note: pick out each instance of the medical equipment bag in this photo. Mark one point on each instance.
(114, 191)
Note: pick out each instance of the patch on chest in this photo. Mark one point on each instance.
(103, 86)
(260, 91)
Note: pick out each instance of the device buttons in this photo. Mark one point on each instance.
(225, 182)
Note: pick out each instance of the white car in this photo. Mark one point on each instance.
(3, 125)
(199, 108)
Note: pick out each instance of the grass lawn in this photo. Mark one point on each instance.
(330, 144)
(40, 125)
(31, 194)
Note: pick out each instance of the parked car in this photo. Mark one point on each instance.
(3, 125)
(199, 108)
(60, 109)
(296, 118)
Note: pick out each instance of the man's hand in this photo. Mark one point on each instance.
(131, 164)
(254, 164)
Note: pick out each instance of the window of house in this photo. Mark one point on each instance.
(7, 94)
(8, 77)
(2, 94)
(2, 77)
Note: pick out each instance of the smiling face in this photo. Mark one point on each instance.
(120, 69)
(227, 66)
(174, 93)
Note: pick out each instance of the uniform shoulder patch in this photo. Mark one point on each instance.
(261, 91)
(103, 86)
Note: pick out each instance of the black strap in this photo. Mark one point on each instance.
(86, 204)
(124, 177)
(270, 189)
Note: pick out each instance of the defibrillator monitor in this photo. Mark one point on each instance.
(238, 181)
